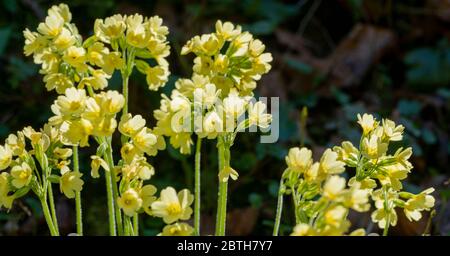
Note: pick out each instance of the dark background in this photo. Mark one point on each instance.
(335, 57)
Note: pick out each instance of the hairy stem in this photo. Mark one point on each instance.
(276, 226)
(79, 213)
(115, 190)
(197, 186)
(52, 207)
(224, 161)
(48, 217)
(109, 194)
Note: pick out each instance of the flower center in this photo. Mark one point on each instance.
(174, 209)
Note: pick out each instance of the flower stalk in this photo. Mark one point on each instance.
(197, 182)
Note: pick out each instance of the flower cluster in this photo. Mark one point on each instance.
(322, 200)
(230, 58)
(378, 177)
(216, 100)
(66, 61)
(374, 165)
(34, 159)
(78, 116)
(139, 41)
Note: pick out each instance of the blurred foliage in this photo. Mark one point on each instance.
(324, 60)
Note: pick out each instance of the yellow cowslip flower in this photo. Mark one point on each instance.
(95, 165)
(5, 157)
(111, 28)
(136, 35)
(130, 125)
(62, 153)
(207, 96)
(156, 29)
(226, 173)
(334, 216)
(391, 131)
(177, 229)
(366, 183)
(128, 152)
(373, 148)
(49, 61)
(203, 65)
(402, 156)
(187, 86)
(104, 126)
(212, 125)
(77, 132)
(110, 102)
(313, 174)
(347, 152)
(53, 24)
(172, 207)
(257, 115)
(393, 175)
(333, 187)
(384, 202)
(130, 202)
(34, 42)
(144, 140)
(98, 80)
(226, 30)
(21, 175)
(303, 229)
(367, 122)
(16, 144)
(207, 44)
(156, 76)
(95, 54)
(299, 159)
(147, 193)
(71, 182)
(58, 82)
(417, 203)
(76, 57)
(234, 106)
(330, 164)
(357, 199)
(112, 61)
(63, 11)
(73, 102)
(145, 171)
(64, 40)
(5, 199)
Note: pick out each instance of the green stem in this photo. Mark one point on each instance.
(52, 207)
(136, 224)
(109, 194)
(79, 213)
(128, 228)
(48, 217)
(224, 161)
(197, 186)
(276, 227)
(115, 191)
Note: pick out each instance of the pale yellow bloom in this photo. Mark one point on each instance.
(177, 229)
(98, 80)
(58, 82)
(5, 157)
(391, 131)
(299, 159)
(64, 40)
(329, 163)
(157, 76)
(373, 147)
(70, 183)
(62, 153)
(367, 122)
(258, 116)
(5, 199)
(144, 140)
(136, 33)
(76, 57)
(95, 165)
(53, 24)
(417, 203)
(303, 229)
(226, 30)
(333, 187)
(336, 215)
(72, 103)
(130, 125)
(22, 175)
(147, 193)
(172, 207)
(130, 202)
(112, 28)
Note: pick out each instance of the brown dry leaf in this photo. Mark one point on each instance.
(357, 53)
(240, 222)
